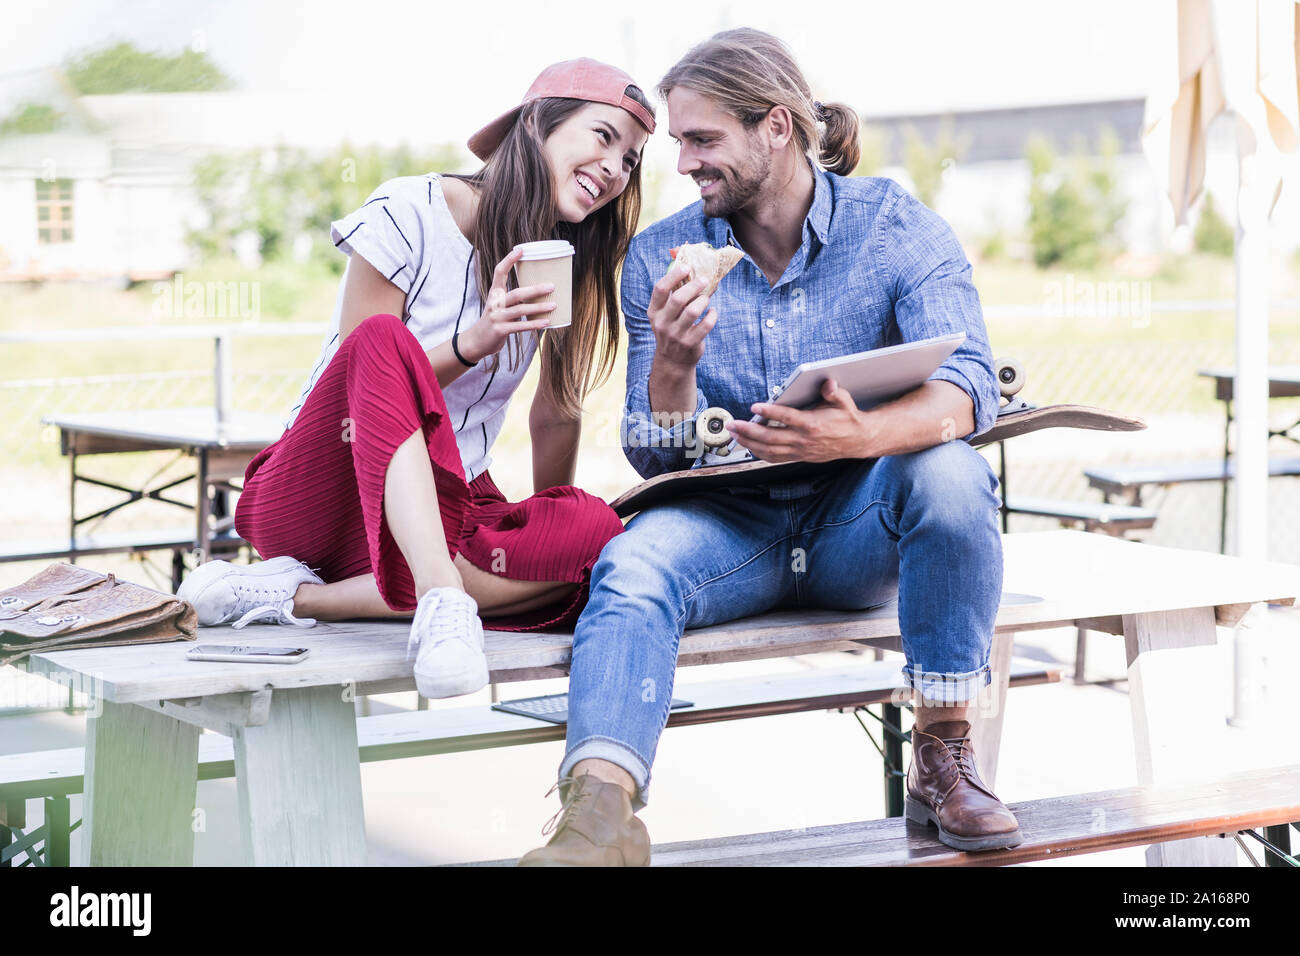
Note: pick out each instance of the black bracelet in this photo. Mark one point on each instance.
(456, 351)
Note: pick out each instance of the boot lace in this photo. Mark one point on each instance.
(572, 803)
(960, 748)
(278, 613)
(261, 602)
(964, 757)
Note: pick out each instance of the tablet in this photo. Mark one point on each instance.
(873, 377)
(554, 708)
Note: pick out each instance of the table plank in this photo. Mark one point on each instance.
(171, 428)
(1073, 574)
(1053, 827)
(1177, 700)
(124, 824)
(1283, 381)
(299, 783)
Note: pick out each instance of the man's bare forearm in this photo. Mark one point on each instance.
(930, 415)
(672, 391)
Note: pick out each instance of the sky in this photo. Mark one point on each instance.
(425, 73)
(444, 64)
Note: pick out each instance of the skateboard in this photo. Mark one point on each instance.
(726, 465)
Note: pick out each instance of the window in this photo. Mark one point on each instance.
(54, 210)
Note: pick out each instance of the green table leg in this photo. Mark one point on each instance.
(58, 831)
(1280, 837)
(892, 722)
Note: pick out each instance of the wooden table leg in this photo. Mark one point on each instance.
(58, 831)
(203, 508)
(986, 723)
(299, 782)
(72, 499)
(141, 779)
(1080, 654)
(1179, 713)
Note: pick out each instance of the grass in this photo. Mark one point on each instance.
(282, 292)
(1139, 364)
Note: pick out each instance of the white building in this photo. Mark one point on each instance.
(77, 203)
(986, 191)
(109, 195)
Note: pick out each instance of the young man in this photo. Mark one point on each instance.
(832, 266)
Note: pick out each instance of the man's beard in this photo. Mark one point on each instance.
(736, 193)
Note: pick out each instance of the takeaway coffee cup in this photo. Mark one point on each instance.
(549, 261)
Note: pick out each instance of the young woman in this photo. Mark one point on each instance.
(380, 482)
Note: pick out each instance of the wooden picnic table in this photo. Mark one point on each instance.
(221, 445)
(1283, 382)
(294, 726)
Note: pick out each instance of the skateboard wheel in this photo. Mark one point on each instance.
(711, 427)
(1011, 377)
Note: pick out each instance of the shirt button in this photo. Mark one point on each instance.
(769, 323)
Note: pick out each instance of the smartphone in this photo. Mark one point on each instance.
(247, 653)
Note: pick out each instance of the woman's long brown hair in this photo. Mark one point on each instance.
(516, 204)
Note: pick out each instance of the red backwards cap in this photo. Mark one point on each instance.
(581, 79)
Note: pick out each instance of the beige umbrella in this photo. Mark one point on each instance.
(1237, 57)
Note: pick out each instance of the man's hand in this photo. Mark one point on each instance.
(835, 429)
(934, 413)
(673, 313)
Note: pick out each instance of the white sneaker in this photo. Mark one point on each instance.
(447, 641)
(222, 592)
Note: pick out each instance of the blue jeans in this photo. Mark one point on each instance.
(922, 527)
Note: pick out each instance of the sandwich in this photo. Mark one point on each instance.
(707, 263)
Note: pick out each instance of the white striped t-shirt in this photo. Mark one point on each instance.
(406, 231)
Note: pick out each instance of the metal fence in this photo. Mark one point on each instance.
(1155, 380)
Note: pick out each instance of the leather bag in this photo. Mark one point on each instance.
(66, 606)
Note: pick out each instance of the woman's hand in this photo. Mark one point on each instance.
(506, 313)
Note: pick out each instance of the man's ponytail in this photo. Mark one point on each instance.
(747, 72)
(840, 146)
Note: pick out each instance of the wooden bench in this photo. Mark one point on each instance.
(1054, 827)
(53, 775)
(179, 541)
(1114, 519)
(1129, 482)
(294, 729)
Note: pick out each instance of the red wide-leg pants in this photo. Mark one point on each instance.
(317, 493)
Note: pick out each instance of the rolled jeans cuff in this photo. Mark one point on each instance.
(947, 688)
(616, 752)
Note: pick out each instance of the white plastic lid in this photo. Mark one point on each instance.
(546, 249)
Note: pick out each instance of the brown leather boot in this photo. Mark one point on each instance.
(596, 827)
(944, 788)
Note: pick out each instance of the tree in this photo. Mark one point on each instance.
(30, 118)
(1074, 212)
(122, 68)
(926, 162)
(872, 151)
(1213, 234)
(281, 194)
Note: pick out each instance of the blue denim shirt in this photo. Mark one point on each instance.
(876, 267)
